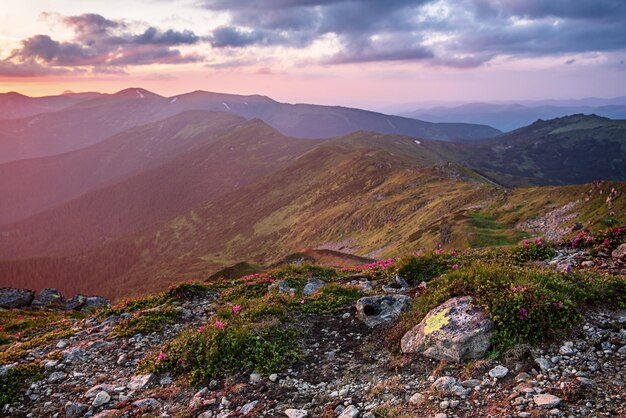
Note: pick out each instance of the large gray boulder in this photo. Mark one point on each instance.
(376, 310)
(93, 303)
(457, 330)
(11, 298)
(75, 303)
(48, 298)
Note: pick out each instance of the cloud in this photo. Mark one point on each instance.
(27, 70)
(460, 33)
(100, 45)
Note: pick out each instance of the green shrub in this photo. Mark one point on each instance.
(145, 322)
(330, 299)
(212, 352)
(422, 268)
(532, 250)
(526, 304)
(305, 270)
(133, 305)
(13, 383)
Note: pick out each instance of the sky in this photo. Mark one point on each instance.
(366, 53)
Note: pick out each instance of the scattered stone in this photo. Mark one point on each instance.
(72, 355)
(75, 409)
(273, 377)
(296, 413)
(567, 349)
(457, 330)
(56, 377)
(498, 372)
(12, 298)
(247, 408)
(313, 285)
(122, 359)
(101, 398)
(108, 413)
(376, 310)
(256, 378)
(350, 412)
(417, 399)
(544, 364)
(448, 385)
(140, 381)
(619, 252)
(147, 404)
(94, 303)
(546, 401)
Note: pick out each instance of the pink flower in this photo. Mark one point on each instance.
(219, 324)
(236, 308)
(456, 266)
(538, 241)
(161, 356)
(439, 251)
(525, 243)
(201, 328)
(302, 301)
(606, 243)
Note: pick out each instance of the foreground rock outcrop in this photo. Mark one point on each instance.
(457, 330)
(376, 310)
(51, 299)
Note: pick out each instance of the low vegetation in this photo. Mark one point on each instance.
(527, 304)
(13, 383)
(146, 322)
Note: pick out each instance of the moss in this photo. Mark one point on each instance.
(145, 322)
(16, 352)
(437, 321)
(216, 352)
(331, 299)
(133, 305)
(13, 383)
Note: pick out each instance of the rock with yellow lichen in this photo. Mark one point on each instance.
(457, 330)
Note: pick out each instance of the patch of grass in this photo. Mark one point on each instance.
(133, 305)
(13, 383)
(416, 269)
(304, 271)
(487, 232)
(526, 304)
(216, 352)
(148, 321)
(331, 299)
(18, 351)
(189, 291)
(23, 324)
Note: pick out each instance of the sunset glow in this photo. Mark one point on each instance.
(360, 53)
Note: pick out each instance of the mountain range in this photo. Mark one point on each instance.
(154, 195)
(509, 116)
(81, 120)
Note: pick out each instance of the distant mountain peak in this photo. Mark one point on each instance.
(135, 93)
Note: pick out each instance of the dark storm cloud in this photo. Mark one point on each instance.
(481, 29)
(102, 45)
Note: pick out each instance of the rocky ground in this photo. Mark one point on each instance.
(349, 371)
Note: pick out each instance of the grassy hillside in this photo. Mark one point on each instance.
(34, 185)
(572, 149)
(364, 194)
(216, 165)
